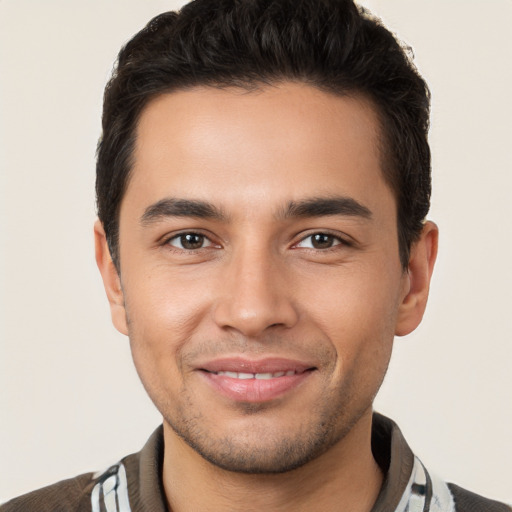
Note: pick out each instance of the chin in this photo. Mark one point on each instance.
(262, 458)
(257, 448)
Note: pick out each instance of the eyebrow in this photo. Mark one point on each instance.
(312, 207)
(172, 207)
(324, 206)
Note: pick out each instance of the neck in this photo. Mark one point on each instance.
(346, 477)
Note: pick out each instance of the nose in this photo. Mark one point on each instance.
(255, 295)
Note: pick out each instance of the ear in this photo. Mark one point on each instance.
(111, 279)
(417, 280)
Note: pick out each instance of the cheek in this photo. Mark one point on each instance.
(357, 312)
(354, 303)
(163, 314)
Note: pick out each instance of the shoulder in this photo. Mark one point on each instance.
(67, 495)
(135, 477)
(467, 501)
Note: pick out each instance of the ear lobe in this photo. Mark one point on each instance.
(111, 280)
(421, 265)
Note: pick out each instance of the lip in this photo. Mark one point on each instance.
(267, 365)
(254, 389)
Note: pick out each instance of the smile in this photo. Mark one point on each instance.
(260, 376)
(242, 380)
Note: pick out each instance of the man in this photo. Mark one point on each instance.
(263, 179)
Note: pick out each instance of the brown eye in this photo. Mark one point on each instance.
(319, 241)
(190, 241)
(322, 241)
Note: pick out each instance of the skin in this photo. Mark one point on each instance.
(258, 285)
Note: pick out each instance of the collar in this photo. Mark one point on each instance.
(396, 460)
(389, 447)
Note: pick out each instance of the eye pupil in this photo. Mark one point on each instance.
(321, 241)
(192, 241)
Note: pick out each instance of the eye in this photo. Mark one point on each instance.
(190, 241)
(319, 241)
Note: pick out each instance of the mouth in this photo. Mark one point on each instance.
(259, 376)
(244, 380)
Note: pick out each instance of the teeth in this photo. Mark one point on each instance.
(259, 376)
(263, 376)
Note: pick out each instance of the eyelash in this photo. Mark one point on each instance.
(337, 240)
(179, 236)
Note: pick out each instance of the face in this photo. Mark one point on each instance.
(260, 281)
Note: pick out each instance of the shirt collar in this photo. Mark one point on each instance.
(389, 448)
(396, 460)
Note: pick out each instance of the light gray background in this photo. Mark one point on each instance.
(70, 400)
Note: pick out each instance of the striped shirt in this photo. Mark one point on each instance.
(134, 484)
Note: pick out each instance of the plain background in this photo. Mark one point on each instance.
(70, 400)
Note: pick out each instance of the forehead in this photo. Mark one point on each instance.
(230, 145)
